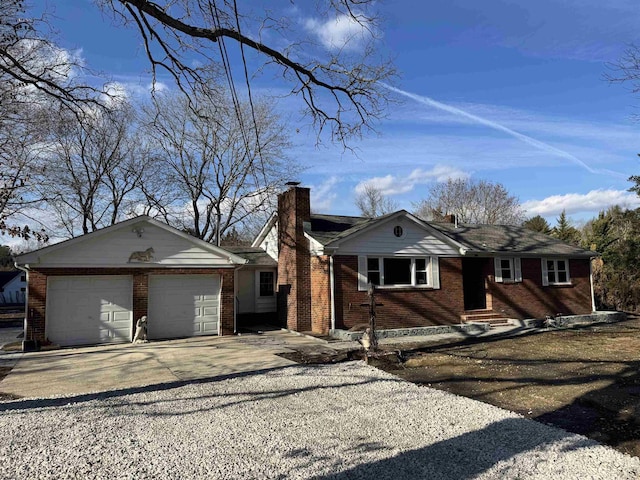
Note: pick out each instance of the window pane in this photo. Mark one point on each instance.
(562, 277)
(505, 264)
(506, 274)
(550, 265)
(372, 264)
(551, 276)
(374, 278)
(421, 264)
(561, 265)
(266, 284)
(421, 278)
(397, 271)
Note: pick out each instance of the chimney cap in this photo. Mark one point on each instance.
(292, 184)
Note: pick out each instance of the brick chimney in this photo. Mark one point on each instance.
(294, 260)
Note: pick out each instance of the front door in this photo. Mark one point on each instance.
(473, 277)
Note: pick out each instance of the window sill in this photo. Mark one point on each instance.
(402, 287)
(561, 285)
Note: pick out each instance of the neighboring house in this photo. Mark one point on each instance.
(13, 287)
(426, 273)
(93, 288)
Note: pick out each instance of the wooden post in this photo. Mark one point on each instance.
(372, 317)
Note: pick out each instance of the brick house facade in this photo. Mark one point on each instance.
(427, 273)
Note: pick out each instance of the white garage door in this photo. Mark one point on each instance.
(86, 310)
(183, 305)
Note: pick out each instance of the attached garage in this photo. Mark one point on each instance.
(183, 305)
(94, 288)
(84, 310)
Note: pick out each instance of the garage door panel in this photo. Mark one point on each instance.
(84, 310)
(183, 305)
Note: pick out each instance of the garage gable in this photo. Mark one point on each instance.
(139, 242)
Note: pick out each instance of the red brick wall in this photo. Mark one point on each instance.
(413, 307)
(320, 293)
(529, 299)
(408, 307)
(37, 299)
(294, 261)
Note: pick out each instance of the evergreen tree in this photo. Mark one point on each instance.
(565, 231)
(538, 224)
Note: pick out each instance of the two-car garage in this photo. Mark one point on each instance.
(83, 310)
(93, 289)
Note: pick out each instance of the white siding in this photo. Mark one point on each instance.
(270, 242)
(246, 291)
(315, 247)
(114, 249)
(265, 304)
(379, 241)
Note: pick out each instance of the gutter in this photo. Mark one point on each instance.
(332, 299)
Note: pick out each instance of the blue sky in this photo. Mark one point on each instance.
(504, 90)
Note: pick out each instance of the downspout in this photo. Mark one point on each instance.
(593, 297)
(332, 294)
(25, 269)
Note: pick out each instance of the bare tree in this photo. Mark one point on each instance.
(30, 59)
(343, 92)
(220, 167)
(92, 169)
(373, 203)
(35, 77)
(472, 202)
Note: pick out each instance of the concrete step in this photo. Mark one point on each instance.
(488, 316)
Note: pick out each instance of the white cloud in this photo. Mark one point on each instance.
(396, 185)
(323, 195)
(533, 142)
(591, 202)
(342, 33)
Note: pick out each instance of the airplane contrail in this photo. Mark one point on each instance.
(496, 126)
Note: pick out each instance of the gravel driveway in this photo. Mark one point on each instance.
(345, 421)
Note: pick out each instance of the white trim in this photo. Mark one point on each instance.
(136, 265)
(545, 271)
(264, 231)
(435, 272)
(432, 269)
(515, 269)
(34, 257)
(362, 273)
(393, 217)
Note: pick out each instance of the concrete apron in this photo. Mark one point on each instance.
(73, 371)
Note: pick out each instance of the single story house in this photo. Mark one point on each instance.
(313, 270)
(13, 287)
(93, 288)
(426, 273)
